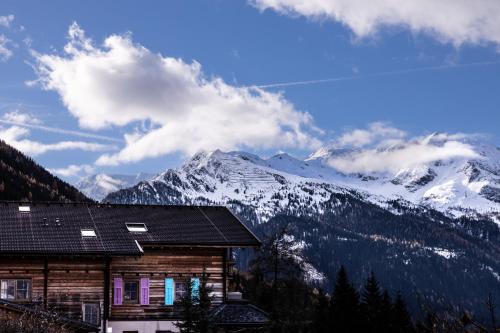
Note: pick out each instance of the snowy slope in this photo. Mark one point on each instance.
(280, 183)
(457, 186)
(99, 185)
(336, 217)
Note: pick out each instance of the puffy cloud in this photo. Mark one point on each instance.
(375, 132)
(16, 137)
(5, 52)
(5, 21)
(392, 155)
(454, 21)
(124, 83)
(73, 170)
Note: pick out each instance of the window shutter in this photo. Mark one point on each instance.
(169, 291)
(144, 291)
(195, 292)
(118, 291)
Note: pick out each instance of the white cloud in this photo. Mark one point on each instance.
(16, 137)
(5, 52)
(377, 131)
(393, 154)
(73, 170)
(5, 21)
(123, 83)
(453, 21)
(19, 117)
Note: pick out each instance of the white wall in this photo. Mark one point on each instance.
(141, 326)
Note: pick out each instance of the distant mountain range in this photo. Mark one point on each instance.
(431, 230)
(23, 179)
(456, 187)
(99, 185)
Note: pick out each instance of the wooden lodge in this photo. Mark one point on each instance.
(118, 268)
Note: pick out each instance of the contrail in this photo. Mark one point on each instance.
(379, 74)
(62, 131)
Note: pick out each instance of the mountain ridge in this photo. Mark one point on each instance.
(455, 187)
(22, 179)
(429, 252)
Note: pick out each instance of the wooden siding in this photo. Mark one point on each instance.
(73, 281)
(179, 264)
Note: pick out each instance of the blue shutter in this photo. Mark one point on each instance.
(195, 293)
(169, 291)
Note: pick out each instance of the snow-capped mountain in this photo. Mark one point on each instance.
(99, 185)
(456, 186)
(377, 220)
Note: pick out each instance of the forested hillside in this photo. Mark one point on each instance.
(21, 178)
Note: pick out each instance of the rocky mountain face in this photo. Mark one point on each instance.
(99, 185)
(430, 231)
(23, 179)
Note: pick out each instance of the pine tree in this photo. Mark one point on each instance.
(385, 314)
(196, 309)
(322, 319)
(187, 304)
(371, 305)
(344, 304)
(401, 319)
(204, 321)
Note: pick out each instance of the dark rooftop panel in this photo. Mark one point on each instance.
(57, 228)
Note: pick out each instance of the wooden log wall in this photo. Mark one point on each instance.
(73, 281)
(179, 264)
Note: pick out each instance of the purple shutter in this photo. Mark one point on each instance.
(118, 291)
(144, 291)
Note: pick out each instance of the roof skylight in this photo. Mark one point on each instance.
(136, 227)
(24, 209)
(88, 233)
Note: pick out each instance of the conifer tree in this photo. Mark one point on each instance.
(385, 315)
(196, 309)
(344, 304)
(187, 304)
(371, 305)
(322, 316)
(204, 321)
(401, 319)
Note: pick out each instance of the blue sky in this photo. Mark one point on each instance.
(416, 77)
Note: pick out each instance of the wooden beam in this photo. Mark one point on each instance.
(45, 281)
(107, 282)
(224, 275)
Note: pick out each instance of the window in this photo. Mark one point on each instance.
(180, 290)
(88, 233)
(136, 227)
(130, 289)
(91, 313)
(18, 290)
(8, 289)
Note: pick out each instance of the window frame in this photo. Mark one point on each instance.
(124, 292)
(184, 292)
(16, 281)
(98, 313)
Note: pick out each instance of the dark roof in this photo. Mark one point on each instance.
(238, 314)
(38, 231)
(76, 325)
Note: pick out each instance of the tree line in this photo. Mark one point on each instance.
(278, 282)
